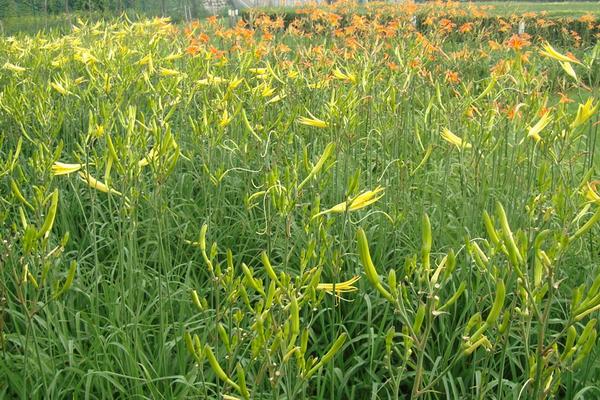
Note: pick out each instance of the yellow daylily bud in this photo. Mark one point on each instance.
(568, 68)
(96, 184)
(49, 220)
(258, 71)
(212, 80)
(339, 342)
(225, 118)
(276, 99)
(268, 267)
(371, 272)
(317, 168)
(212, 360)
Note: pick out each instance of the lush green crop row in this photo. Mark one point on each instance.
(318, 210)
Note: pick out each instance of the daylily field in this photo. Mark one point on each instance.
(389, 201)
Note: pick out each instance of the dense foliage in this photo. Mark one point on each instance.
(342, 206)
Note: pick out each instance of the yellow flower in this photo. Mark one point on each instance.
(85, 56)
(59, 168)
(275, 99)
(146, 60)
(96, 184)
(235, 82)
(267, 91)
(342, 287)
(549, 51)
(59, 88)
(316, 122)
(534, 131)
(225, 119)
(319, 85)
(344, 76)
(169, 72)
(455, 140)
(173, 56)
(591, 193)
(258, 71)
(149, 158)
(14, 68)
(585, 112)
(212, 80)
(361, 201)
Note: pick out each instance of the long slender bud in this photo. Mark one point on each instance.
(250, 279)
(498, 303)
(19, 195)
(295, 318)
(269, 268)
(212, 360)
(489, 227)
(419, 317)
(242, 381)
(69, 280)
(328, 356)
(319, 165)
(513, 250)
(49, 221)
(454, 297)
(365, 257)
(426, 243)
(587, 226)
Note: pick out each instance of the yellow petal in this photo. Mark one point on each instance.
(549, 51)
(361, 201)
(585, 112)
(534, 131)
(59, 88)
(14, 68)
(365, 199)
(451, 138)
(591, 193)
(235, 82)
(258, 71)
(149, 158)
(59, 168)
(275, 99)
(341, 287)
(315, 122)
(169, 72)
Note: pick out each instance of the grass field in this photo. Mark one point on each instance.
(552, 10)
(343, 207)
